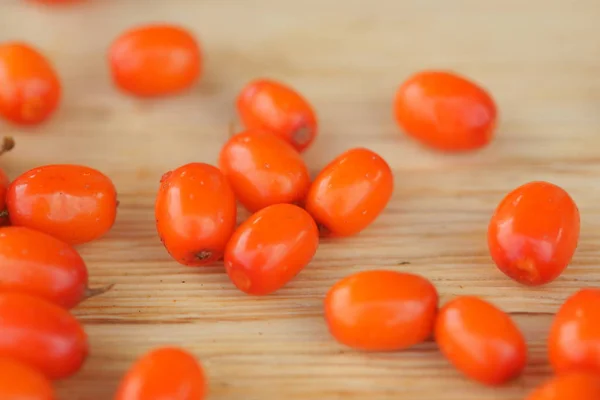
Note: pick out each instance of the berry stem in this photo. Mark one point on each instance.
(203, 255)
(89, 293)
(8, 143)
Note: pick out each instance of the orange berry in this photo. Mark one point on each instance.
(41, 334)
(73, 203)
(164, 373)
(270, 248)
(480, 340)
(195, 213)
(273, 107)
(571, 386)
(31, 89)
(155, 60)
(574, 339)
(39, 264)
(264, 170)
(533, 233)
(445, 111)
(350, 192)
(381, 310)
(19, 381)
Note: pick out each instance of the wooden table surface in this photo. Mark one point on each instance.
(539, 58)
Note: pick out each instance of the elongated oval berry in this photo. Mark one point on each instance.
(38, 264)
(41, 334)
(195, 213)
(270, 248)
(534, 232)
(273, 107)
(574, 339)
(73, 203)
(350, 192)
(480, 340)
(164, 373)
(445, 111)
(381, 310)
(264, 170)
(155, 60)
(19, 381)
(31, 90)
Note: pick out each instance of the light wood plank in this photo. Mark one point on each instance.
(538, 58)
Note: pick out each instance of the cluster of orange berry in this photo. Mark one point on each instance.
(532, 235)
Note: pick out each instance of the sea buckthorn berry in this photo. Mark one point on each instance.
(164, 373)
(264, 170)
(19, 381)
(273, 107)
(381, 310)
(31, 89)
(195, 213)
(480, 340)
(38, 264)
(155, 60)
(270, 248)
(73, 203)
(41, 334)
(445, 111)
(350, 192)
(533, 233)
(570, 386)
(574, 339)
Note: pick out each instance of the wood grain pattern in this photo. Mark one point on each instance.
(540, 60)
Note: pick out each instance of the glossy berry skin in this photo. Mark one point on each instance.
(533, 233)
(31, 89)
(155, 60)
(41, 334)
(270, 248)
(381, 310)
(264, 170)
(480, 340)
(350, 192)
(164, 373)
(445, 111)
(569, 386)
(73, 203)
(38, 264)
(19, 381)
(271, 106)
(574, 339)
(195, 213)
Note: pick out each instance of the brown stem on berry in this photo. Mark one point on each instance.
(89, 293)
(203, 255)
(8, 143)
(3, 214)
